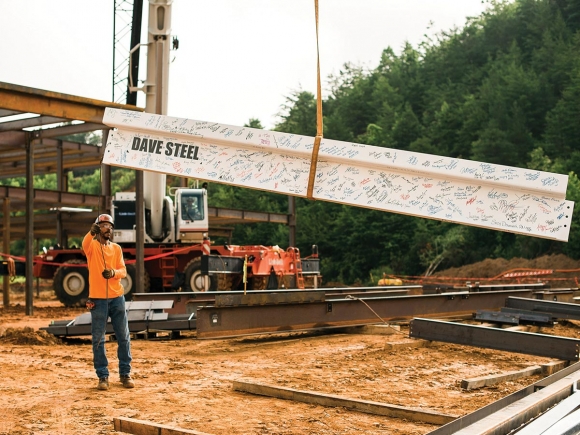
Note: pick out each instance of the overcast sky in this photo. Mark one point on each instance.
(237, 59)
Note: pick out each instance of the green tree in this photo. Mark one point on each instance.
(563, 129)
(254, 123)
(298, 114)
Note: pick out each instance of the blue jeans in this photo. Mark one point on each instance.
(115, 309)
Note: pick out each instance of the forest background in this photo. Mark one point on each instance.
(504, 88)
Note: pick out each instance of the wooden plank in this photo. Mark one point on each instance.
(366, 406)
(553, 367)
(141, 427)
(371, 329)
(405, 344)
(486, 381)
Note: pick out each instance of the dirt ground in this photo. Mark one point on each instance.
(48, 385)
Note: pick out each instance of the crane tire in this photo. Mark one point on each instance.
(260, 282)
(130, 280)
(71, 284)
(194, 280)
(224, 282)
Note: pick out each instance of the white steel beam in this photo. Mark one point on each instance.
(504, 198)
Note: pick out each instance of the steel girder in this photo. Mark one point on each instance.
(473, 193)
(561, 310)
(214, 322)
(495, 338)
(183, 300)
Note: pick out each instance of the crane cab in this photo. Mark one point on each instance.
(191, 220)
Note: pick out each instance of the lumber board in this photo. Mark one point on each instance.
(405, 344)
(553, 367)
(369, 407)
(142, 427)
(486, 381)
(371, 329)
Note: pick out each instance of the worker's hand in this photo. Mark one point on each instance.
(108, 273)
(95, 229)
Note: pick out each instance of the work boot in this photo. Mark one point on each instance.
(103, 384)
(127, 381)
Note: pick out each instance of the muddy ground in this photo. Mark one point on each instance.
(48, 385)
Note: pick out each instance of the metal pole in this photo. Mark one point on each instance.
(106, 175)
(135, 40)
(139, 232)
(292, 221)
(29, 252)
(59, 186)
(6, 250)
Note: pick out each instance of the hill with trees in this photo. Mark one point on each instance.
(504, 88)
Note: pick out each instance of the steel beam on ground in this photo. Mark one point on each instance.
(494, 338)
(443, 188)
(560, 310)
(214, 322)
(68, 328)
(526, 316)
(505, 421)
(549, 419)
(481, 413)
(181, 299)
(267, 298)
(491, 287)
(496, 317)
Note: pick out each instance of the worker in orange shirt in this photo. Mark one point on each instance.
(107, 299)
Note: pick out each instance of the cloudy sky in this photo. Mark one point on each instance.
(237, 59)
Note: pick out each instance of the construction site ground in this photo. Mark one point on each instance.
(48, 385)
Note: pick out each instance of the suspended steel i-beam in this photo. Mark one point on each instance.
(522, 201)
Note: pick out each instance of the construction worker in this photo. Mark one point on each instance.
(107, 299)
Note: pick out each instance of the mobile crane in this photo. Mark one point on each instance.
(177, 251)
(182, 258)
